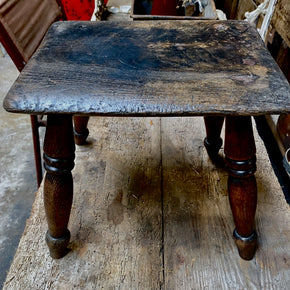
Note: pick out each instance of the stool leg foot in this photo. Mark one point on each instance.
(242, 188)
(81, 131)
(246, 245)
(58, 185)
(213, 142)
(57, 247)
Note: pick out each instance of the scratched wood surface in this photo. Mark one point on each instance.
(151, 211)
(157, 68)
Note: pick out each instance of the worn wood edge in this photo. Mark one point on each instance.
(96, 104)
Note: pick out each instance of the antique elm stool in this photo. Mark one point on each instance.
(214, 69)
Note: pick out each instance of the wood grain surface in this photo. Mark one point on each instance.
(152, 68)
(151, 211)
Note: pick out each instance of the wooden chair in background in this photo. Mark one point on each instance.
(23, 24)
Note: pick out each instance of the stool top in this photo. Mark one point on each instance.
(151, 68)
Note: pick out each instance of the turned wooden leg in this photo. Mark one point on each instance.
(58, 157)
(213, 142)
(81, 132)
(241, 164)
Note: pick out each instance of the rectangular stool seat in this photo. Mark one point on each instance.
(214, 69)
(151, 68)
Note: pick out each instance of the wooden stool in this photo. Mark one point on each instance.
(214, 69)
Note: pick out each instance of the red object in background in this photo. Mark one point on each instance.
(164, 7)
(79, 9)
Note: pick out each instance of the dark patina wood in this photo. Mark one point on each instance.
(151, 68)
(240, 154)
(58, 158)
(180, 68)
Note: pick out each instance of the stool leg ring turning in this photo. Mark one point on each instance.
(58, 158)
(242, 188)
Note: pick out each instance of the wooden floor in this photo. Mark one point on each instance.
(151, 211)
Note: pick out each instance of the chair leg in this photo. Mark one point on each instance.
(36, 145)
(213, 142)
(81, 132)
